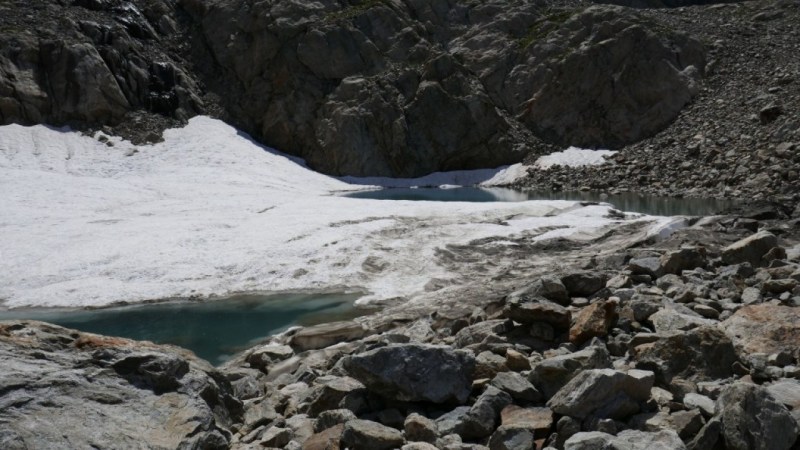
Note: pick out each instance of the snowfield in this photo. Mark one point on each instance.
(209, 212)
(573, 157)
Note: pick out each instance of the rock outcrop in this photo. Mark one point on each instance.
(359, 88)
(60, 388)
(95, 63)
(394, 88)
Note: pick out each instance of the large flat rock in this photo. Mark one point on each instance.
(60, 388)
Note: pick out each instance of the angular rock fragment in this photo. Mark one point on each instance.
(321, 336)
(702, 353)
(538, 310)
(415, 372)
(331, 392)
(511, 438)
(677, 261)
(584, 284)
(625, 440)
(593, 321)
(551, 374)
(419, 428)
(366, 435)
(750, 249)
(550, 288)
(537, 419)
(603, 393)
(671, 320)
(753, 420)
(517, 386)
(328, 439)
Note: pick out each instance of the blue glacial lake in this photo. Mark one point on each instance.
(659, 206)
(213, 330)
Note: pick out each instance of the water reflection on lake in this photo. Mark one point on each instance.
(660, 206)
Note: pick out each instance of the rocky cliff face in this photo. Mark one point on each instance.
(93, 63)
(404, 88)
(375, 87)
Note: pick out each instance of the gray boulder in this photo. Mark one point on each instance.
(511, 438)
(517, 386)
(331, 418)
(687, 258)
(750, 249)
(670, 320)
(650, 265)
(478, 420)
(327, 334)
(330, 392)
(529, 311)
(552, 374)
(414, 372)
(584, 284)
(483, 417)
(366, 435)
(753, 420)
(702, 353)
(625, 440)
(603, 393)
(766, 328)
(419, 428)
(550, 288)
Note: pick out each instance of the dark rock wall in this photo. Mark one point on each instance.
(90, 62)
(376, 87)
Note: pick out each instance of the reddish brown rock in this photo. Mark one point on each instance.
(765, 328)
(593, 321)
(325, 440)
(539, 420)
(516, 361)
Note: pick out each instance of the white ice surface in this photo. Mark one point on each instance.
(573, 157)
(209, 212)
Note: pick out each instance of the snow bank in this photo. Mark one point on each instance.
(574, 157)
(209, 212)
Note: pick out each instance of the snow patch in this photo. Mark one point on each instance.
(208, 212)
(573, 157)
